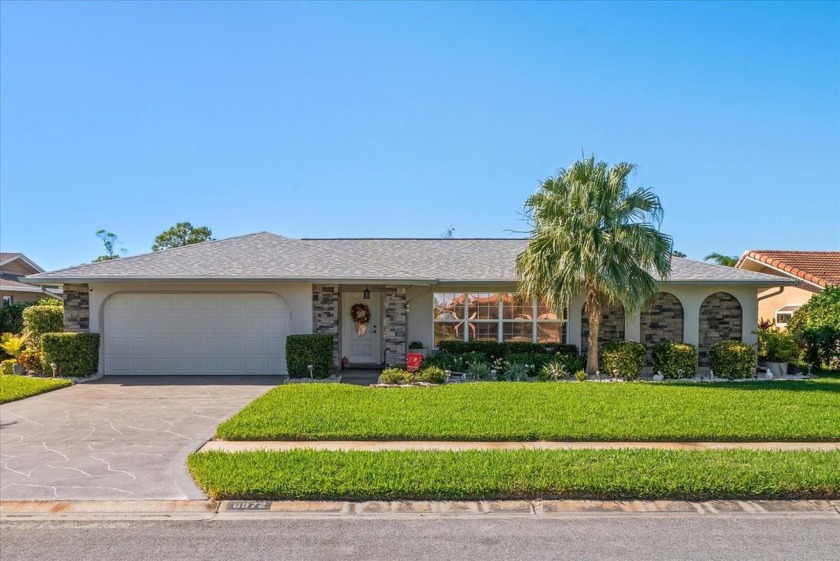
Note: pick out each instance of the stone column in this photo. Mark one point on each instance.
(76, 308)
(396, 324)
(325, 315)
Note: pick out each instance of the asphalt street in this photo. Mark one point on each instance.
(636, 537)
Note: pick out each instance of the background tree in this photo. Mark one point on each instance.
(181, 234)
(590, 235)
(720, 259)
(676, 253)
(109, 241)
(816, 324)
(448, 233)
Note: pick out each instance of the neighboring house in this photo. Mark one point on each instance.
(13, 266)
(226, 306)
(811, 271)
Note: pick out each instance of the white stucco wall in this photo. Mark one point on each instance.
(297, 296)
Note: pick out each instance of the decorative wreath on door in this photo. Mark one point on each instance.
(361, 316)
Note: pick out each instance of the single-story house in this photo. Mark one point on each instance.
(13, 266)
(811, 271)
(226, 306)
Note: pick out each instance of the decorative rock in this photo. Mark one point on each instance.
(658, 377)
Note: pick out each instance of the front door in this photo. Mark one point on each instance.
(360, 343)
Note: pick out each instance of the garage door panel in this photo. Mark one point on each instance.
(195, 334)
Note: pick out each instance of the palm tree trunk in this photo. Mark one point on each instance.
(593, 310)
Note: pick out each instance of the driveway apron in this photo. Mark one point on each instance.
(116, 438)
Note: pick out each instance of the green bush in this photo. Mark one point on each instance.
(489, 349)
(671, 357)
(732, 360)
(55, 302)
(306, 349)
(554, 370)
(431, 375)
(627, 358)
(75, 354)
(493, 349)
(396, 376)
(817, 326)
(7, 367)
(478, 370)
(31, 361)
(11, 317)
(445, 361)
(775, 345)
(41, 319)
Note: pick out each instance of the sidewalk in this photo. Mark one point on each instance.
(373, 446)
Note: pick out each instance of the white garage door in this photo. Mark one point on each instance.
(195, 334)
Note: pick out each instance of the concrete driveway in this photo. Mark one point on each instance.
(117, 437)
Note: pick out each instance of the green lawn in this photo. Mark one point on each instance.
(13, 388)
(556, 474)
(762, 411)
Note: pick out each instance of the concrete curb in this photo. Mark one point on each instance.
(375, 445)
(239, 510)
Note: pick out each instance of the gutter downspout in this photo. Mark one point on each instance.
(50, 294)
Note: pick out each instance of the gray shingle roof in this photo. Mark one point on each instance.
(266, 256)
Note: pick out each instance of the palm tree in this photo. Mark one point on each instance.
(720, 259)
(590, 234)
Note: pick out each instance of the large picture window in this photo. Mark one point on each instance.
(494, 316)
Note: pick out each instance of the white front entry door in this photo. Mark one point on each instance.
(361, 348)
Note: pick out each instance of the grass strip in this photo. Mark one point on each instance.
(14, 387)
(522, 474)
(756, 411)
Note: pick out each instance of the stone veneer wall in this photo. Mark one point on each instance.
(325, 315)
(611, 329)
(662, 321)
(396, 324)
(76, 307)
(721, 319)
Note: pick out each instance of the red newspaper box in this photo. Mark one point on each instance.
(413, 362)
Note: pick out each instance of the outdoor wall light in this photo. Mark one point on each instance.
(366, 294)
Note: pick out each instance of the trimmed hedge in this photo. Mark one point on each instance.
(309, 348)
(41, 319)
(494, 349)
(11, 317)
(75, 354)
(669, 357)
(732, 360)
(625, 357)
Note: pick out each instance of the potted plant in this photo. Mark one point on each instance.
(776, 348)
(417, 347)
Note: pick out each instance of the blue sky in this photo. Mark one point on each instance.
(357, 120)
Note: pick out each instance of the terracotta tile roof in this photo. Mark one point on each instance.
(818, 267)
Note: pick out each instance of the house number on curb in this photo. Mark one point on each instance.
(248, 505)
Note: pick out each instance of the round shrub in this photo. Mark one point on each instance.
(431, 375)
(671, 357)
(41, 319)
(627, 358)
(396, 376)
(7, 367)
(732, 360)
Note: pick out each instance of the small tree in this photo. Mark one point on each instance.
(109, 241)
(817, 326)
(591, 235)
(721, 259)
(181, 234)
